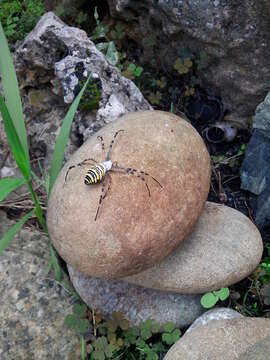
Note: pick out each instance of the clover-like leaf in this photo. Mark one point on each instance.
(80, 310)
(138, 71)
(208, 300)
(169, 327)
(151, 355)
(223, 293)
(70, 321)
(99, 355)
(82, 325)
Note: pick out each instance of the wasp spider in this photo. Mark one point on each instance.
(99, 172)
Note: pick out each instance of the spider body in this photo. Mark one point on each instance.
(96, 173)
(99, 172)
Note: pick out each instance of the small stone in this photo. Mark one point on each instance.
(232, 339)
(133, 230)
(214, 315)
(136, 303)
(224, 248)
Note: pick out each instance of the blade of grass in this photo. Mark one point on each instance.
(62, 138)
(8, 184)
(11, 91)
(16, 146)
(82, 348)
(55, 264)
(9, 235)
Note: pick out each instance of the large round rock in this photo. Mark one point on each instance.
(133, 231)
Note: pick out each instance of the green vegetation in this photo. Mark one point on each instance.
(210, 299)
(116, 339)
(13, 119)
(18, 17)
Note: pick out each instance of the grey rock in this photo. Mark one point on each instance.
(214, 315)
(54, 49)
(223, 248)
(33, 305)
(262, 117)
(235, 36)
(134, 302)
(255, 170)
(231, 339)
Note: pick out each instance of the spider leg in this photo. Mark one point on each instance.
(131, 171)
(102, 143)
(84, 162)
(104, 192)
(111, 145)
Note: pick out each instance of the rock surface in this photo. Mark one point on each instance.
(50, 63)
(133, 231)
(223, 248)
(214, 315)
(55, 48)
(228, 32)
(33, 305)
(255, 171)
(224, 339)
(136, 303)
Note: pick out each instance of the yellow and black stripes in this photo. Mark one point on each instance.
(95, 174)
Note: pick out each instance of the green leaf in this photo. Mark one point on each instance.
(208, 300)
(223, 293)
(11, 91)
(9, 184)
(16, 146)
(82, 348)
(112, 54)
(80, 310)
(61, 142)
(169, 327)
(70, 321)
(55, 264)
(131, 67)
(152, 356)
(138, 71)
(82, 325)
(9, 235)
(176, 335)
(99, 355)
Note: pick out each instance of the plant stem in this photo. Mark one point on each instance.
(38, 210)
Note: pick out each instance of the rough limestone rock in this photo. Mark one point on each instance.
(133, 231)
(224, 248)
(214, 315)
(234, 35)
(63, 56)
(33, 305)
(50, 63)
(136, 303)
(224, 339)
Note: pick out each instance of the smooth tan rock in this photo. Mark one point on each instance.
(133, 231)
(224, 247)
(223, 340)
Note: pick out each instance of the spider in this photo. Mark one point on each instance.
(99, 172)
